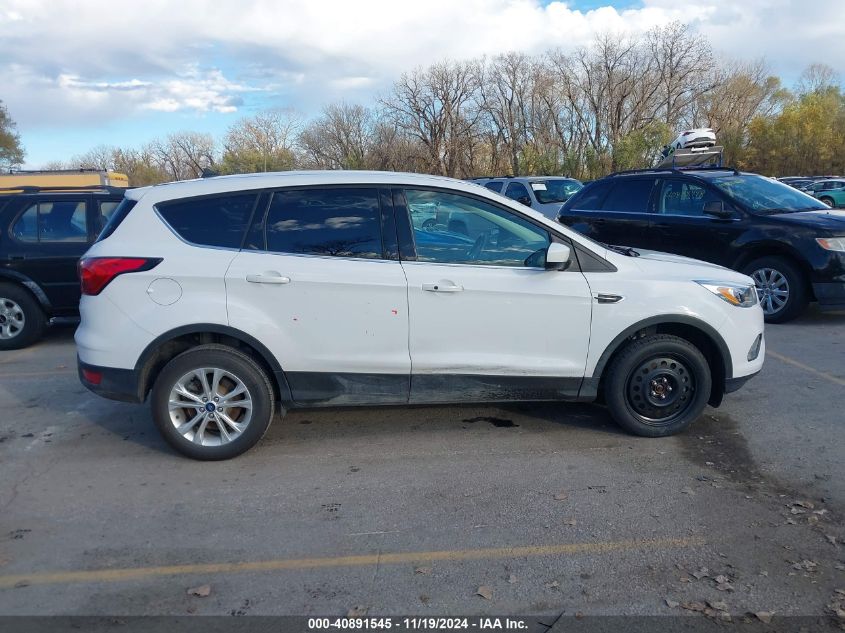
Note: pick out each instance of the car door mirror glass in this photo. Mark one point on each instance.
(558, 256)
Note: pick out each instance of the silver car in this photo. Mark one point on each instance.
(545, 194)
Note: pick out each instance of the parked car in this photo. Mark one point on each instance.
(43, 233)
(544, 194)
(789, 242)
(798, 183)
(226, 299)
(831, 192)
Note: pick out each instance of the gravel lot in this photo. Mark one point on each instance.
(550, 508)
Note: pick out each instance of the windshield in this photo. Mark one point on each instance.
(766, 196)
(555, 189)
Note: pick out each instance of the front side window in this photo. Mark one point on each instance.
(58, 221)
(471, 231)
(495, 185)
(631, 195)
(338, 222)
(218, 221)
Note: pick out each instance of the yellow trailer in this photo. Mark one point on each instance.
(55, 179)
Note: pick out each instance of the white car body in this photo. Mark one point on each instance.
(346, 330)
(698, 137)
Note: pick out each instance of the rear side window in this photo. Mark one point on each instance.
(494, 186)
(631, 195)
(339, 222)
(219, 221)
(590, 198)
(115, 217)
(58, 221)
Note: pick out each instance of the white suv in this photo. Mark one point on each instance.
(226, 299)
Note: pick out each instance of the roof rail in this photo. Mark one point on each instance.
(60, 188)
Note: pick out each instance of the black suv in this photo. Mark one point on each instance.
(43, 233)
(791, 244)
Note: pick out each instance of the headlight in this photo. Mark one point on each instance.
(740, 295)
(832, 243)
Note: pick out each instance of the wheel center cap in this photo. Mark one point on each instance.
(209, 406)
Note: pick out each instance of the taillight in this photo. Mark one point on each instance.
(96, 273)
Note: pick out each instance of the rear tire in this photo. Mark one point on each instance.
(228, 403)
(22, 321)
(657, 386)
(773, 275)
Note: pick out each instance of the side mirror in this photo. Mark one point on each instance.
(557, 256)
(524, 200)
(717, 209)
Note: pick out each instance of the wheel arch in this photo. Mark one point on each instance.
(167, 346)
(33, 288)
(777, 249)
(701, 334)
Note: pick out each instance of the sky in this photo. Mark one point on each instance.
(81, 73)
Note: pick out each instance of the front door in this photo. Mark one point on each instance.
(681, 226)
(317, 287)
(487, 320)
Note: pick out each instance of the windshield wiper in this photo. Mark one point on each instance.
(625, 250)
(785, 210)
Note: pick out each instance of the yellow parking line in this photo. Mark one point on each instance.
(791, 361)
(137, 573)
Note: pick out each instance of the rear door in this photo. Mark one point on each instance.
(46, 238)
(681, 227)
(616, 211)
(320, 284)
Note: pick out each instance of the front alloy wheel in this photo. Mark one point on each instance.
(772, 289)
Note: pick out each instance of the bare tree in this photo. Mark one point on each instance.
(262, 142)
(341, 138)
(815, 78)
(182, 155)
(438, 107)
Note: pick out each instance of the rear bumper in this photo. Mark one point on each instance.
(831, 296)
(110, 382)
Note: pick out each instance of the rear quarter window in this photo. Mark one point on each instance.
(116, 217)
(219, 221)
(590, 197)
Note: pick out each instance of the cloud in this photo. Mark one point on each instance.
(69, 62)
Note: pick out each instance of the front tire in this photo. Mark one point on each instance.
(657, 385)
(828, 201)
(212, 402)
(22, 321)
(781, 288)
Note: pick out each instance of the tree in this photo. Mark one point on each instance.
(183, 155)
(261, 143)
(11, 151)
(341, 138)
(438, 107)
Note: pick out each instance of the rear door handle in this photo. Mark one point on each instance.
(439, 287)
(268, 278)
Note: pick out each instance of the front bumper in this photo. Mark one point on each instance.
(830, 295)
(734, 384)
(110, 382)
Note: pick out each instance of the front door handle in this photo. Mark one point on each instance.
(270, 277)
(442, 287)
